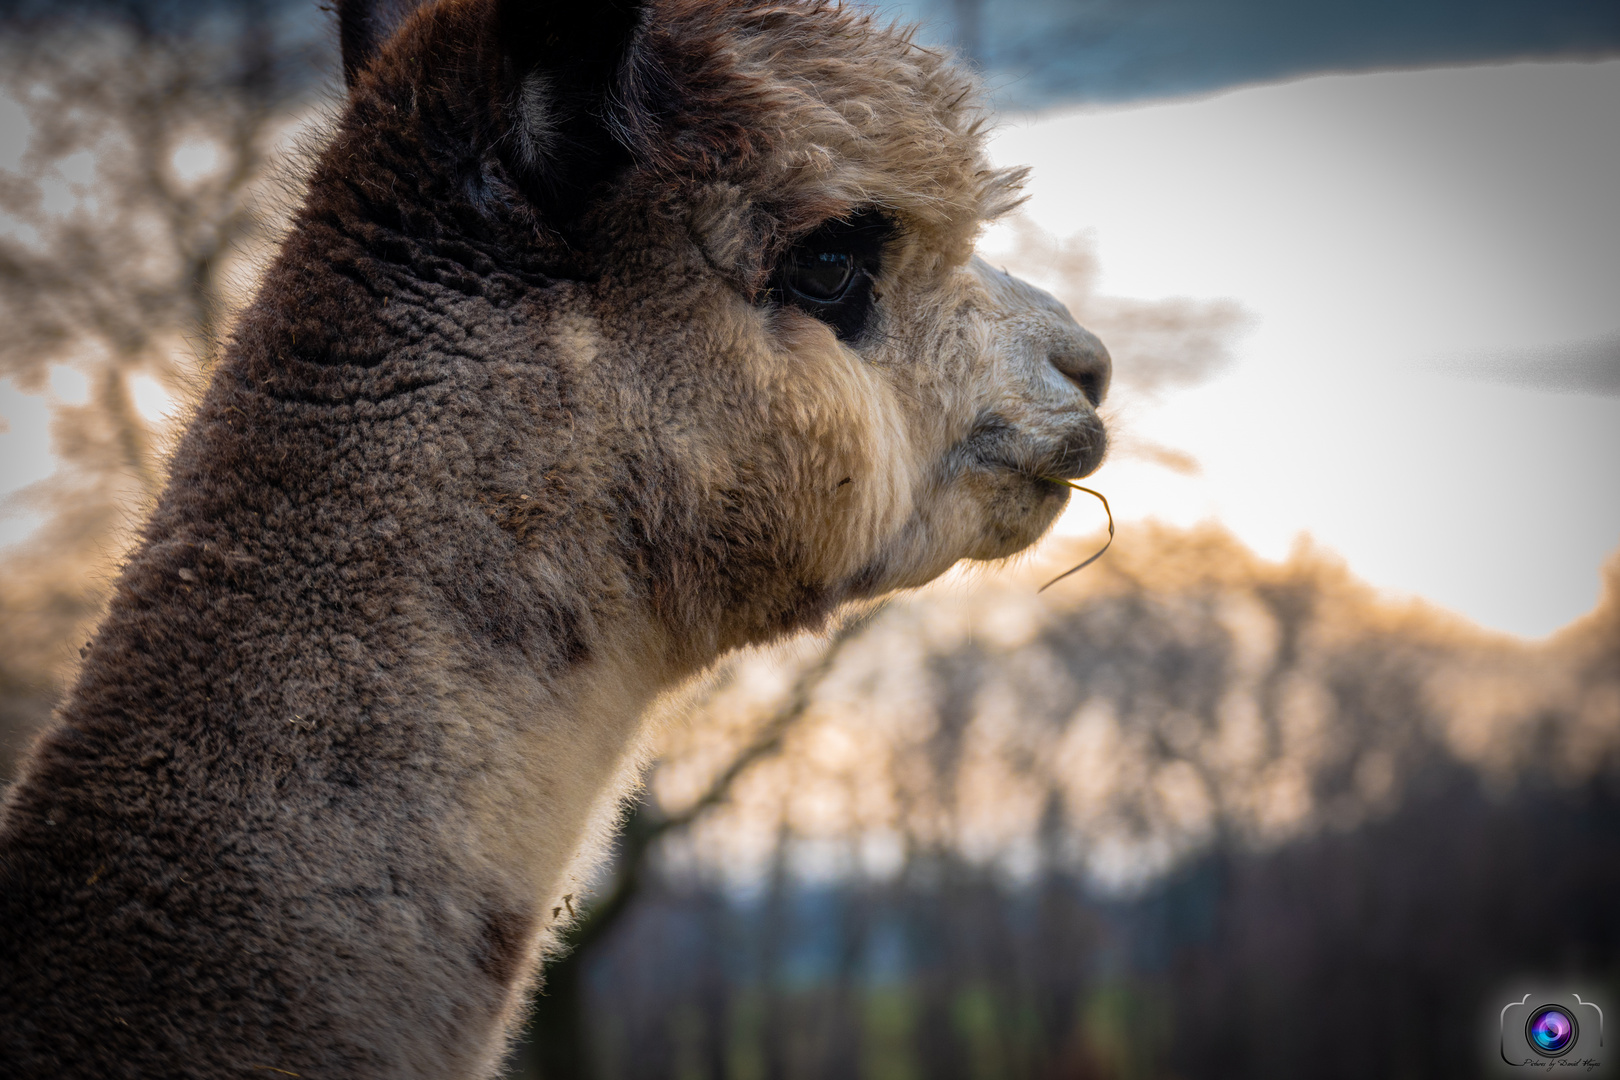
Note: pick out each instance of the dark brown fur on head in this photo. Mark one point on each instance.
(526, 423)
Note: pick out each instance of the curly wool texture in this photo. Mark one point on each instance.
(824, 110)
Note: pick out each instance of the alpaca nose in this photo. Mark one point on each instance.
(1084, 361)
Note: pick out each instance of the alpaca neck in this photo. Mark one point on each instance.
(546, 772)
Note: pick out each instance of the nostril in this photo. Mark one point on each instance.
(1085, 362)
(1091, 386)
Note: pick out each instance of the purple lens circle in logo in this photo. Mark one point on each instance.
(1551, 1030)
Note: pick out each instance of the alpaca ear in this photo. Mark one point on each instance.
(363, 25)
(567, 60)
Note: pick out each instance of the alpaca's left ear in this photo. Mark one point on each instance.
(363, 25)
(566, 62)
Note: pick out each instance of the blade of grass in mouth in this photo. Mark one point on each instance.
(1106, 509)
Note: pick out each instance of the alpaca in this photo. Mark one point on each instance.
(607, 338)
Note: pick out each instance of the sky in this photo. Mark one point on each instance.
(1431, 382)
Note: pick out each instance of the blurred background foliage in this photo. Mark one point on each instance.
(1189, 814)
(138, 143)
(1196, 815)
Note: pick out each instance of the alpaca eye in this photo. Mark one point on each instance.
(829, 274)
(823, 276)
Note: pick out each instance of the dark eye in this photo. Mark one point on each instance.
(823, 276)
(829, 273)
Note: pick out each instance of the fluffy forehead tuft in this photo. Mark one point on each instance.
(814, 109)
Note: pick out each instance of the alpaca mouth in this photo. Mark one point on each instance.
(1080, 456)
(997, 445)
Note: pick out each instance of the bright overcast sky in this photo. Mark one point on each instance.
(1387, 231)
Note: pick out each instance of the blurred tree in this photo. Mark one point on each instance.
(145, 134)
(1130, 825)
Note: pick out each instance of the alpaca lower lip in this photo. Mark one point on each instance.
(1047, 483)
(1081, 456)
(1073, 463)
(999, 445)
(1051, 474)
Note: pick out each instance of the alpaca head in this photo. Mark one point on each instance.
(752, 223)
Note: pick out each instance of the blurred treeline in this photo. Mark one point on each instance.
(1186, 814)
(1195, 815)
(138, 150)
